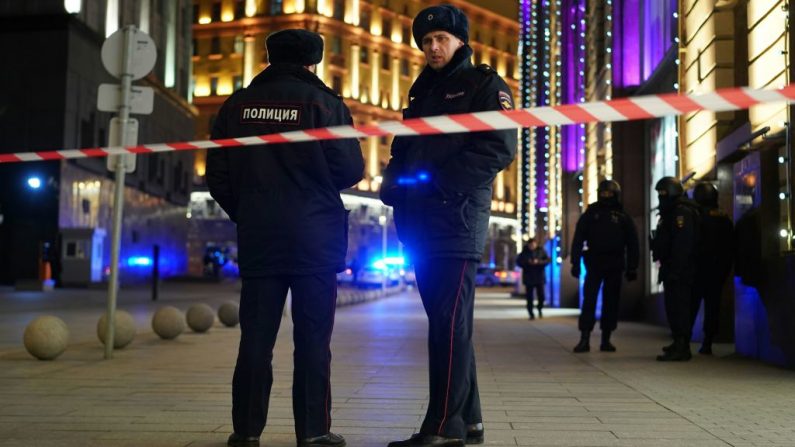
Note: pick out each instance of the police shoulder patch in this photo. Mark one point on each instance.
(289, 114)
(506, 102)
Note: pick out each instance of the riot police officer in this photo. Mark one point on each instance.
(714, 260)
(291, 228)
(441, 188)
(607, 240)
(674, 245)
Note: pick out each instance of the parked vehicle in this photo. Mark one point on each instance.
(486, 277)
(374, 277)
(490, 277)
(508, 277)
(409, 277)
(345, 276)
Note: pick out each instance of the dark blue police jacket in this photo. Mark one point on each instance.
(285, 197)
(441, 185)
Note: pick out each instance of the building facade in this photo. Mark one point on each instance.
(748, 155)
(371, 60)
(638, 47)
(50, 103)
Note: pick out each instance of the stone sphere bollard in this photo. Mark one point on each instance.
(168, 322)
(46, 337)
(124, 332)
(200, 317)
(229, 314)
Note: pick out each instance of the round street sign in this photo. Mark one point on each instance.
(143, 59)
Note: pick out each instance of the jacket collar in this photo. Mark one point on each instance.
(429, 77)
(276, 71)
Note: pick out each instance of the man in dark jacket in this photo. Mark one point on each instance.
(533, 260)
(607, 240)
(675, 247)
(291, 228)
(440, 187)
(714, 262)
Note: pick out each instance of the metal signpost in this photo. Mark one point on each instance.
(128, 54)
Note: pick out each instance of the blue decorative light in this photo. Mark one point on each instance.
(34, 182)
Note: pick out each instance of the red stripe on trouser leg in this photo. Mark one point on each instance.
(328, 387)
(450, 362)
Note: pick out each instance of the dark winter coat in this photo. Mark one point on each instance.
(285, 198)
(610, 236)
(533, 273)
(441, 185)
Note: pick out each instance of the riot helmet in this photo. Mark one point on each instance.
(609, 191)
(706, 195)
(668, 190)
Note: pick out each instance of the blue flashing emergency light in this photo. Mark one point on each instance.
(139, 261)
(406, 181)
(421, 177)
(34, 182)
(389, 262)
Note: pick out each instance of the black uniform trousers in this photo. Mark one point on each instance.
(314, 299)
(609, 280)
(539, 292)
(708, 286)
(677, 306)
(447, 289)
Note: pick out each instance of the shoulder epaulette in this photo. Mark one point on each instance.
(486, 69)
(327, 89)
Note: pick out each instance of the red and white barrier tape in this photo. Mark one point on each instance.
(624, 109)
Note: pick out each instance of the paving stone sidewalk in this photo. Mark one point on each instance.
(535, 392)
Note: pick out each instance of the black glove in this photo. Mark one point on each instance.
(631, 275)
(391, 194)
(575, 271)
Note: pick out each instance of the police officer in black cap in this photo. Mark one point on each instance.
(714, 260)
(607, 240)
(292, 231)
(674, 245)
(441, 187)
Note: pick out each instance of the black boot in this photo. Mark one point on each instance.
(668, 348)
(540, 313)
(236, 440)
(329, 439)
(680, 352)
(585, 342)
(422, 440)
(606, 346)
(706, 346)
(475, 433)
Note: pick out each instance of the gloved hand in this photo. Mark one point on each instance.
(391, 193)
(575, 271)
(631, 275)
